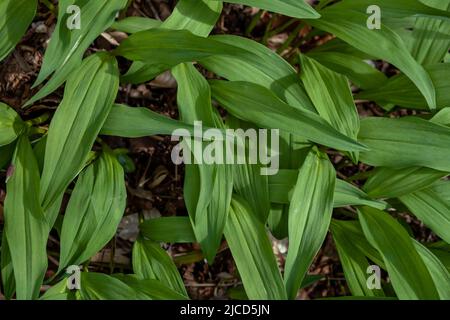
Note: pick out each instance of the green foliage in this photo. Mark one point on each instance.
(389, 165)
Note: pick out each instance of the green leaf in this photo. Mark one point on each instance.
(15, 17)
(88, 99)
(431, 208)
(354, 262)
(6, 153)
(440, 275)
(356, 69)
(168, 229)
(59, 291)
(407, 271)
(197, 16)
(265, 68)
(26, 228)
(207, 188)
(347, 194)
(282, 184)
(259, 105)
(332, 97)
(135, 24)
(392, 182)
(430, 38)
(100, 286)
(292, 8)
(399, 90)
(351, 26)
(394, 9)
(11, 126)
(149, 289)
(419, 143)
(67, 46)
(309, 217)
(129, 122)
(152, 262)
(7, 270)
(442, 117)
(94, 210)
(252, 252)
(172, 47)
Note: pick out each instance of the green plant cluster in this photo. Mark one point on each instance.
(314, 109)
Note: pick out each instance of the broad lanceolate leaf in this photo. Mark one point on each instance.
(135, 24)
(26, 227)
(430, 38)
(406, 142)
(172, 47)
(442, 117)
(354, 262)
(152, 262)
(439, 273)
(293, 8)
(6, 153)
(208, 187)
(15, 17)
(391, 182)
(94, 211)
(11, 126)
(265, 68)
(332, 97)
(7, 270)
(88, 99)
(361, 73)
(351, 26)
(399, 90)
(252, 252)
(309, 217)
(281, 187)
(254, 103)
(431, 208)
(196, 16)
(395, 9)
(100, 286)
(407, 270)
(130, 122)
(67, 45)
(168, 229)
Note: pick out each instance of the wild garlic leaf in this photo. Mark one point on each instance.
(168, 229)
(309, 217)
(150, 261)
(354, 262)
(68, 45)
(400, 91)
(259, 105)
(332, 97)
(15, 17)
(88, 99)
(351, 26)
(208, 187)
(292, 8)
(440, 275)
(94, 211)
(11, 126)
(26, 227)
(252, 252)
(431, 208)
(405, 142)
(387, 182)
(407, 271)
